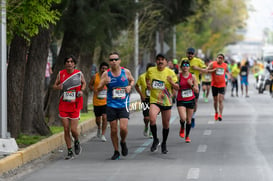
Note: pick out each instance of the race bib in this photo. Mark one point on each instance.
(207, 76)
(69, 96)
(119, 93)
(220, 71)
(157, 84)
(148, 93)
(186, 93)
(102, 94)
(243, 73)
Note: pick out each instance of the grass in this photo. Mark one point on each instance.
(26, 140)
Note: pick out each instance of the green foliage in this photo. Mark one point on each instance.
(213, 29)
(25, 17)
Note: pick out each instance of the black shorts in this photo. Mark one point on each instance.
(187, 104)
(217, 90)
(163, 108)
(145, 108)
(206, 83)
(117, 113)
(99, 110)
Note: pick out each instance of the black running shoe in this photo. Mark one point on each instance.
(77, 148)
(155, 145)
(115, 156)
(124, 149)
(69, 156)
(164, 149)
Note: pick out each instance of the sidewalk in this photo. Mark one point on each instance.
(46, 146)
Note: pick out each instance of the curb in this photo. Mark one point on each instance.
(47, 145)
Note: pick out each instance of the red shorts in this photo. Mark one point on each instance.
(70, 115)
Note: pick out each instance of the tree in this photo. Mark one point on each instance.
(24, 19)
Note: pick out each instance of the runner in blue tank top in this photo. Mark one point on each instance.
(119, 81)
(117, 97)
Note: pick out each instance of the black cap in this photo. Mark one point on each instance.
(190, 50)
(161, 55)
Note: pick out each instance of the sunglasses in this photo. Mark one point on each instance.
(185, 65)
(113, 59)
(190, 53)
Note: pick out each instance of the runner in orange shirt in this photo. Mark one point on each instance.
(218, 71)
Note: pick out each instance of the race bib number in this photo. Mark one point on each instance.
(243, 73)
(69, 96)
(102, 94)
(119, 93)
(186, 93)
(220, 71)
(148, 93)
(207, 76)
(157, 84)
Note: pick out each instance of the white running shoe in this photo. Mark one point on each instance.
(103, 139)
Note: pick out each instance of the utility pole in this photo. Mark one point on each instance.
(7, 144)
(136, 45)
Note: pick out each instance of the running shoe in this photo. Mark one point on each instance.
(150, 134)
(204, 94)
(99, 133)
(216, 116)
(164, 149)
(182, 132)
(116, 156)
(146, 132)
(69, 156)
(206, 100)
(155, 145)
(77, 148)
(103, 139)
(188, 140)
(124, 149)
(192, 122)
(220, 117)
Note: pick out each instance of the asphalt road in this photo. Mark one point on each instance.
(237, 149)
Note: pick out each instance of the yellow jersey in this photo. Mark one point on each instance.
(161, 89)
(99, 98)
(195, 62)
(141, 82)
(235, 71)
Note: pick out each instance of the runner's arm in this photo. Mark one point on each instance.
(57, 85)
(130, 79)
(103, 81)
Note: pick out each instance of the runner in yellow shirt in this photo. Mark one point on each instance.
(99, 101)
(206, 81)
(160, 81)
(144, 93)
(197, 66)
(235, 71)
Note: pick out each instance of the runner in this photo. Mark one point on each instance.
(144, 93)
(235, 71)
(71, 82)
(244, 78)
(185, 98)
(218, 71)
(160, 81)
(119, 82)
(206, 81)
(99, 101)
(197, 66)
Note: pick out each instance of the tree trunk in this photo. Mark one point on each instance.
(33, 118)
(69, 46)
(15, 83)
(85, 66)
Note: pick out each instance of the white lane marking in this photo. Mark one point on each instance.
(202, 148)
(207, 132)
(193, 173)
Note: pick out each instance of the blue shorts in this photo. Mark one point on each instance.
(244, 80)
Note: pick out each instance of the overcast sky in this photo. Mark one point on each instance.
(261, 18)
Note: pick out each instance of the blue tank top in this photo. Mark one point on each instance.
(116, 94)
